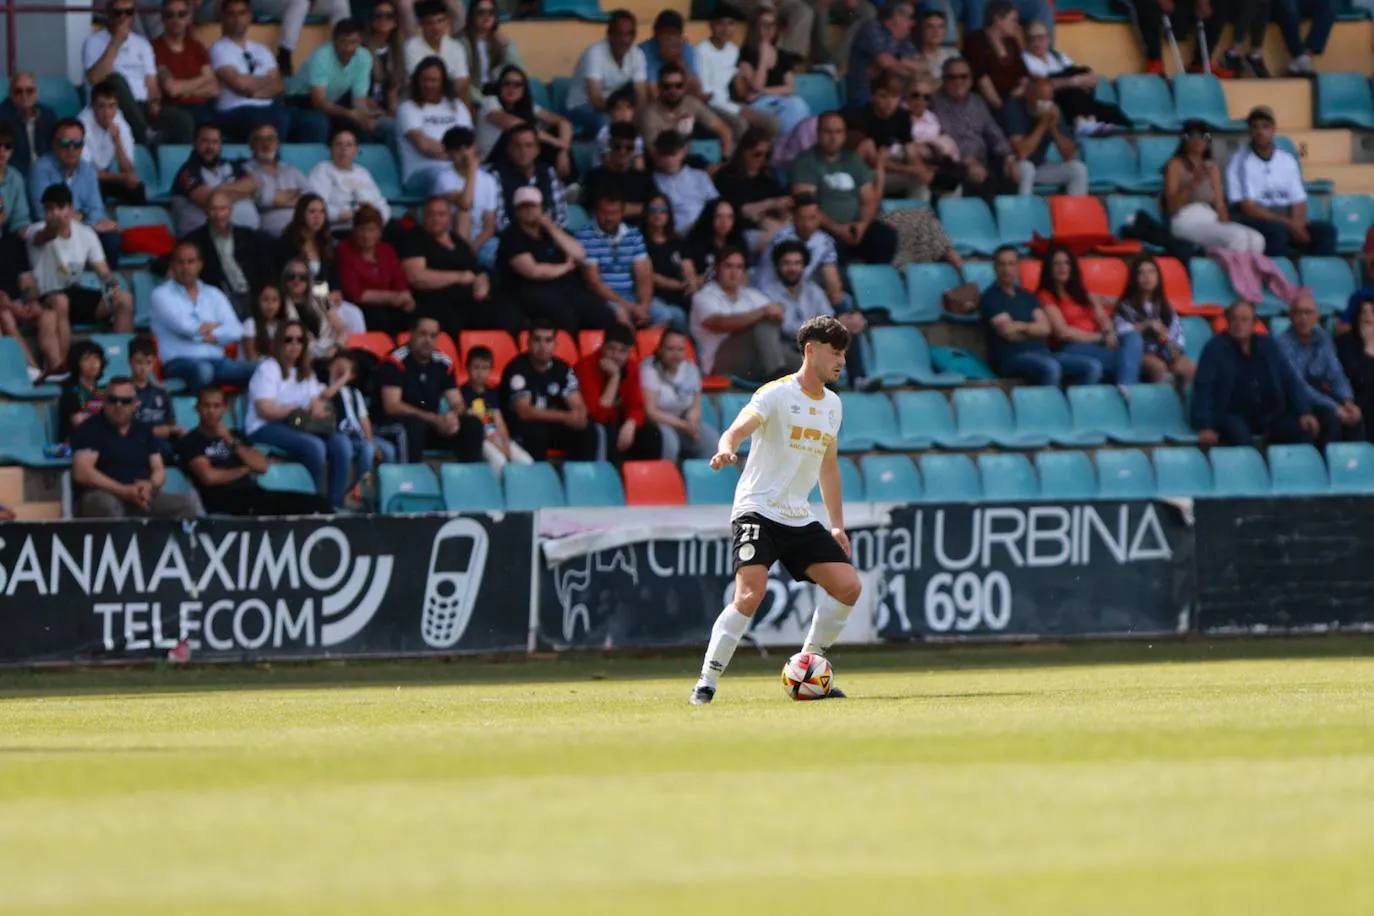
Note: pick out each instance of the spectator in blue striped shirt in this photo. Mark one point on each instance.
(618, 268)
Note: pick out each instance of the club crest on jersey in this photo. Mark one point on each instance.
(795, 409)
(746, 552)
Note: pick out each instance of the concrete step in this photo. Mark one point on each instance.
(11, 486)
(1322, 147)
(38, 512)
(1349, 179)
(1291, 100)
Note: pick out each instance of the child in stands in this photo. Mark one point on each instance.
(497, 447)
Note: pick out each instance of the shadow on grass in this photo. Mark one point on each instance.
(629, 666)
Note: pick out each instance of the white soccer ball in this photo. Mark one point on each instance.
(807, 676)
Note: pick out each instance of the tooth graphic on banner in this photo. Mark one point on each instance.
(570, 582)
(456, 564)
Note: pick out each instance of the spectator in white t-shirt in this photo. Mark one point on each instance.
(421, 122)
(603, 68)
(436, 40)
(117, 54)
(474, 194)
(110, 147)
(717, 60)
(345, 185)
(251, 84)
(672, 398)
(737, 330)
(60, 249)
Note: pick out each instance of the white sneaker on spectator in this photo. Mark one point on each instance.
(1300, 65)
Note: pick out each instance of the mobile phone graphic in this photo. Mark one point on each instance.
(456, 564)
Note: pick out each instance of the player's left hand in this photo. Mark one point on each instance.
(841, 538)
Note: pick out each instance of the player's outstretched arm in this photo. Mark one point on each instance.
(727, 450)
(833, 496)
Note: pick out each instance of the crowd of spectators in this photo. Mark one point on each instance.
(275, 269)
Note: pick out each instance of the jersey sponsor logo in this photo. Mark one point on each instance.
(805, 437)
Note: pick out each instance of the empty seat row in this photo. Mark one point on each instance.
(523, 487)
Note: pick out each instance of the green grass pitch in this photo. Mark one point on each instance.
(1209, 777)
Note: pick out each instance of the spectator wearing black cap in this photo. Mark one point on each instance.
(1265, 186)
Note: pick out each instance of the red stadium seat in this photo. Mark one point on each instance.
(589, 341)
(378, 343)
(653, 483)
(1081, 223)
(1178, 289)
(563, 346)
(500, 344)
(1104, 276)
(1030, 274)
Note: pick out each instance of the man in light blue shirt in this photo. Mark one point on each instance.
(193, 324)
(63, 165)
(14, 196)
(1312, 354)
(339, 75)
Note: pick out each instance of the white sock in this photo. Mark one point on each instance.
(725, 636)
(826, 624)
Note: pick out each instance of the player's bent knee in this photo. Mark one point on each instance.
(848, 591)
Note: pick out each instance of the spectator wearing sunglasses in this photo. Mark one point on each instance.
(117, 464)
(183, 64)
(64, 166)
(205, 170)
(512, 104)
(31, 122)
(126, 60)
(489, 50)
(252, 84)
(674, 109)
(617, 174)
(1195, 199)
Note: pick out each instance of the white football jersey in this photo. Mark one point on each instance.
(786, 450)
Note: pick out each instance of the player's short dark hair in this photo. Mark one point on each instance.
(791, 246)
(619, 333)
(209, 389)
(479, 353)
(458, 137)
(59, 195)
(104, 90)
(824, 329)
(542, 324)
(142, 345)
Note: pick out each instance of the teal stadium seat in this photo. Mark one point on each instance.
(1146, 100)
(592, 484)
(706, 487)
(304, 156)
(969, 224)
(876, 287)
(980, 273)
(708, 150)
(146, 169)
(1154, 153)
(532, 486)
(144, 284)
(1200, 96)
(851, 483)
(1344, 100)
(924, 418)
(1182, 472)
(1042, 411)
(58, 93)
(405, 488)
(986, 412)
(1297, 470)
(1351, 467)
(1238, 471)
(926, 285)
(1105, 91)
(710, 414)
(176, 482)
(286, 477)
(558, 93)
(950, 478)
(1066, 475)
(1019, 219)
(891, 479)
(1331, 281)
(116, 350)
(577, 217)
(730, 404)
(1313, 185)
(869, 422)
(1112, 164)
(1271, 305)
(582, 153)
(539, 93)
(1211, 286)
(1156, 410)
(1122, 208)
(184, 412)
(1097, 10)
(1099, 408)
(22, 437)
(378, 159)
(897, 355)
(1352, 215)
(470, 487)
(1008, 477)
(14, 376)
(1124, 474)
(588, 10)
(170, 158)
(893, 204)
(818, 90)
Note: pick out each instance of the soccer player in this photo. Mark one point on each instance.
(795, 422)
